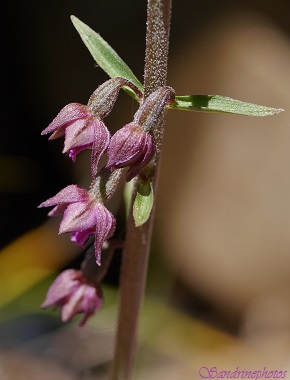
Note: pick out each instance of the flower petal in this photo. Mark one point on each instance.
(57, 210)
(62, 287)
(92, 303)
(100, 144)
(68, 114)
(79, 134)
(149, 154)
(105, 228)
(69, 194)
(78, 216)
(126, 146)
(87, 299)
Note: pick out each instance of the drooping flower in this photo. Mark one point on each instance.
(81, 131)
(133, 145)
(130, 147)
(83, 216)
(74, 294)
(83, 126)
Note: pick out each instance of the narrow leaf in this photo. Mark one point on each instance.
(221, 104)
(143, 203)
(105, 56)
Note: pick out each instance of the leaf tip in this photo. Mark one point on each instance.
(278, 110)
(73, 19)
(77, 23)
(271, 111)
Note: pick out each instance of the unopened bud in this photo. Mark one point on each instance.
(151, 111)
(104, 97)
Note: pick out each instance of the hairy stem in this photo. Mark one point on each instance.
(138, 240)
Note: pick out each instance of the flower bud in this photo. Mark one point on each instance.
(104, 97)
(151, 111)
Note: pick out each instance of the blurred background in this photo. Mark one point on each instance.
(219, 278)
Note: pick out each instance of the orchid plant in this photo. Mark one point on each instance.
(134, 148)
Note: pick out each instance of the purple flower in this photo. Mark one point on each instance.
(81, 130)
(83, 126)
(83, 216)
(133, 146)
(74, 294)
(130, 147)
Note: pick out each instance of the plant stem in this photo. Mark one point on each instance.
(157, 44)
(138, 240)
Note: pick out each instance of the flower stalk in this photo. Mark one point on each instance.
(138, 239)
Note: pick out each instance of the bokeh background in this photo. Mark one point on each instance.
(219, 279)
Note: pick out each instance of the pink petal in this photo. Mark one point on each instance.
(105, 228)
(87, 299)
(69, 194)
(92, 303)
(62, 287)
(78, 216)
(148, 156)
(126, 146)
(72, 306)
(101, 142)
(57, 210)
(68, 114)
(79, 134)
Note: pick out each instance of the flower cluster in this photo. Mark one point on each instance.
(84, 212)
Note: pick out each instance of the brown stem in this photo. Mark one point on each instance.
(157, 44)
(138, 240)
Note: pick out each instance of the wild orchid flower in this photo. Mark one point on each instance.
(133, 145)
(83, 126)
(83, 216)
(130, 147)
(74, 294)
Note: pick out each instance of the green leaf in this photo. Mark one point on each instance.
(105, 56)
(221, 104)
(143, 203)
